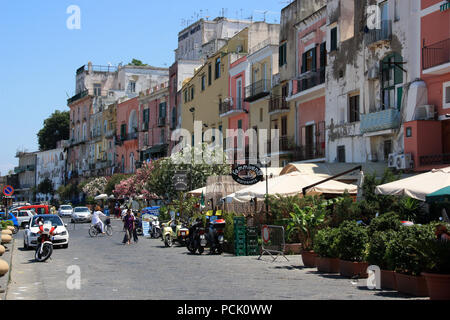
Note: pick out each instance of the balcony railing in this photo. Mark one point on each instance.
(129, 136)
(77, 97)
(286, 144)
(257, 90)
(278, 103)
(378, 121)
(161, 122)
(311, 81)
(383, 34)
(439, 159)
(436, 54)
(231, 105)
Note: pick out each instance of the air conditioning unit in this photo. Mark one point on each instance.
(392, 160)
(404, 161)
(426, 112)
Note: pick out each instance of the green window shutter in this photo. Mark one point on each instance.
(323, 55)
(280, 55)
(398, 73)
(399, 98)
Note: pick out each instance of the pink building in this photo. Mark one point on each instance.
(308, 88)
(429, 141)
(155, 123)
(127, 135)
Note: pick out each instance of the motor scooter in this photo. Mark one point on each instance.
(216, 236)
(196, 241)
(173, 231)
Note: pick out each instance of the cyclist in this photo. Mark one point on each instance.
(96, 221)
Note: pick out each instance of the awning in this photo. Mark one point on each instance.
(198, 192)
(155, 149)
(419, 186)
(291, 184)
(442, 195)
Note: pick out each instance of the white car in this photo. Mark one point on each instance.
(24, 217)
(65, 211)
(31, 232)
(81, 214)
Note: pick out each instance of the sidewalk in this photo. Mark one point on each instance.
(7, 256)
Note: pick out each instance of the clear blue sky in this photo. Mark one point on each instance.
(39, 55)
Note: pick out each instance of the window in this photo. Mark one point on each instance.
(282, 54)
(387, 149)
(261, 115)
(284, 126)
(408, 132)
(239, 94)
(123, 131)
(186, 98)
(162, 110)
(203, 82)
(209, 74)
(392, 80)
(353, 106)
(132, 86)
(217, 68)
(397, 10)
(446, 95)
(309, 61)
(97, 90)
(334, 39)
(341, 154)
(192, 93)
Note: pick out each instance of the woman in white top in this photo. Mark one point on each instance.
(96, 219)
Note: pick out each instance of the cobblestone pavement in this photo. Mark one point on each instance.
(148, 270)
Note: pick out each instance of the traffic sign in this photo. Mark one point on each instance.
(265, 234)
(8, 191)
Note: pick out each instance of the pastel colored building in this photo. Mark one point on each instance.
(127, 146)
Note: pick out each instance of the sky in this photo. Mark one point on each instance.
(39, 54)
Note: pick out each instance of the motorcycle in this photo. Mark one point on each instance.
(172, 232)
(217, 236)
(138, 226)
(44, 249)
(155, 228)
(196, 241)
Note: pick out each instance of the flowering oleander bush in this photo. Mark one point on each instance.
(95, 187)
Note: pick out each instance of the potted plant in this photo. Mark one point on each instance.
(325, 247)
(381, 230)
(306, 221)
(351, 244)
(437, 267)
(403, 255)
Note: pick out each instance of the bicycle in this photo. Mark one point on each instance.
(95, 230)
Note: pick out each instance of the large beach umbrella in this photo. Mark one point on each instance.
(419, 186)
(101, 197)
(442, 195)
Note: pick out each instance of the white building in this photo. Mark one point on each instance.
(52, 165)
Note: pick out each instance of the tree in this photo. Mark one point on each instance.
(46, 187)
(113, 181)
(56, 128)
(95, 187)
(137, 63)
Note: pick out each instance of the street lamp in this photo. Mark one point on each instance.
(265, 161)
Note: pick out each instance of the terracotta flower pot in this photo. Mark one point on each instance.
(2, 250)
(4, 267)
(328, 265)
(412, 285)
(388, 280)
(6, 238)
(438, 286)
(309, 259)
(351, 269)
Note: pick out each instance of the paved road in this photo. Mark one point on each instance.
(148, 270)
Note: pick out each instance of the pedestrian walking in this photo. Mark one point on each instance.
(129, 227)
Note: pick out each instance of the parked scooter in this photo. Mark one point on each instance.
(196, 241)
(173, 231)
(155, 228)
(216, 236)
(138, 226)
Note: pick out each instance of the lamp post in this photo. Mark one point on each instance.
(265, 161)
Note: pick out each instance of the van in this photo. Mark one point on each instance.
(38, 209)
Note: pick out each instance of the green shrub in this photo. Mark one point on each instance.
(229, 226)
(378, 243)
(436, 254)
(352, 241)
(325, 243)
(385, 222)
(403, 254)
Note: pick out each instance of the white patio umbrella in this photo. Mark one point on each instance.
(419, 186)
(290, 185)
(101, 197)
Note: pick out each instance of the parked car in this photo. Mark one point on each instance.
(65, 211)
(81, 214)
(38, 209)
(11, 218)
(23, 217)
(31, 232)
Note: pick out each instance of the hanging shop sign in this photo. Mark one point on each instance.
(247, 174)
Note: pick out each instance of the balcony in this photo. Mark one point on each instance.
(161, 122)
(380, 121)
(231, 106)
(436, 58)
(77, 97)
(257, 90)
(286, 144)
(375, 36)
(128, 137)
(18, 170)
(311, 80)
(278, 104)
(110, 134)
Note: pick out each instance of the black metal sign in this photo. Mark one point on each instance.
(247, 174)
(180, 181)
